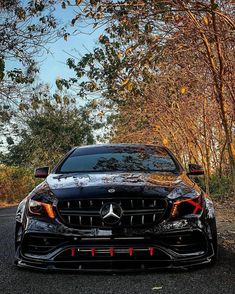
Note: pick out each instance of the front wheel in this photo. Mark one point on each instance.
(214, 240)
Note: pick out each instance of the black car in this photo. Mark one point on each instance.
(116, 207)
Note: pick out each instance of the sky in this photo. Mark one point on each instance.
(53, 65)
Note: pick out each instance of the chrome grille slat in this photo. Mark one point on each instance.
(144, 211)
(79, 212)
(137, 212)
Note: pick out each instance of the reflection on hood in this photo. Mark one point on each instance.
(94, 179)
(163, 179)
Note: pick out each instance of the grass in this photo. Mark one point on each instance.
(6, 204)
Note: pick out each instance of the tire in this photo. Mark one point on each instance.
(214, 240)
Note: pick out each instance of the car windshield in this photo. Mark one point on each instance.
(125, 159)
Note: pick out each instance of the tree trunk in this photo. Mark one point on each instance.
(219, 85)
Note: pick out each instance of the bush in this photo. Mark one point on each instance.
(219, 186)
(15, 183)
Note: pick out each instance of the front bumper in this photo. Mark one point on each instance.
(181, 244)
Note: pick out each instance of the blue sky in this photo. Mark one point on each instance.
(53, 65)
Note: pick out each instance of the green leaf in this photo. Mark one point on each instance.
(10, 141)
(215, 6)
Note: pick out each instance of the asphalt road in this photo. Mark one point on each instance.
(218, 279)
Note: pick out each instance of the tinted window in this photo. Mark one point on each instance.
(106, 159)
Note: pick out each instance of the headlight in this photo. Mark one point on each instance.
(41, 209)
(42, 201)
(187, 206)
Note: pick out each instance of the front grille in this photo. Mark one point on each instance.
(136, 212)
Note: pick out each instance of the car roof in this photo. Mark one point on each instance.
(120, 145)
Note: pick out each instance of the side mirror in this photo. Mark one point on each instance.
(195, 170)
(41, 172)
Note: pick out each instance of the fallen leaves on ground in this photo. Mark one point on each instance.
(157, 288)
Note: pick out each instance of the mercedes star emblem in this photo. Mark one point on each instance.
(111, 190)
(111, 213)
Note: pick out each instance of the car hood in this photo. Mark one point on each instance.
(118, 184)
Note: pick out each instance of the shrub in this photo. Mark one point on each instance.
(15, 183)
(219, 186)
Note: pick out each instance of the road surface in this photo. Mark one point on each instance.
(218, 279)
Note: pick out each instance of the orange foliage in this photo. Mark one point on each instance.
(15, 183)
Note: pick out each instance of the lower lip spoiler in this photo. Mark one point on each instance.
(53, 266)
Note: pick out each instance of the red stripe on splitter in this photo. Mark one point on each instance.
(73, 251)
(130, 251)
(111, 251)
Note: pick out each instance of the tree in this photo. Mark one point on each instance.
(25, 28)
(52, 127)
(152, 45)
